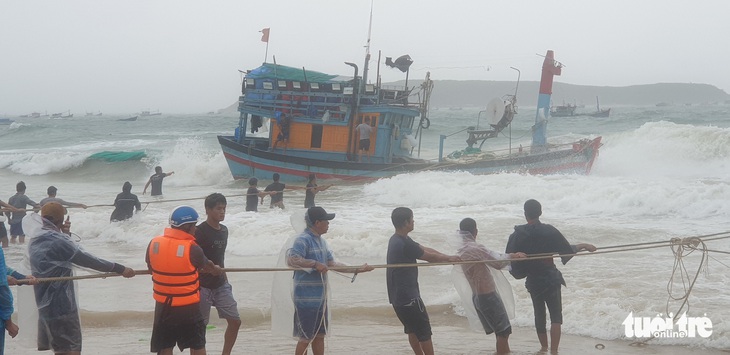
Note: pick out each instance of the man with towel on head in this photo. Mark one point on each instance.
(52, 253)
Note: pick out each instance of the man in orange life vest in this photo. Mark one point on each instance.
(174, 260)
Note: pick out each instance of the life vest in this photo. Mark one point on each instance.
(174, 278)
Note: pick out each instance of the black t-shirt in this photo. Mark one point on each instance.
(309, 196)
(156, 181)
(214, 242)
(538, 238)
(276, 186)
(124, 204)
(403, 281)
(252, 199)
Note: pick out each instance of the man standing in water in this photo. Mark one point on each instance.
(312, 190)
(175, 261)
(544, 280)
(403, 291)
(156, 182)
(52, 254)
(215, 290)
(20, 201)
(276, 191)
(487, 301)
(126, 204)
(52, 190)
(311, 254)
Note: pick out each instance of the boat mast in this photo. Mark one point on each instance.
(550, 68)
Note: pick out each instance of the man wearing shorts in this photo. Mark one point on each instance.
(310, 253)
(487, 302)
(403, 291)
(544, 280)
(276, 191)
(20, 201)
(212, 236)
(174, 260)
(364, 131)
(284, 127)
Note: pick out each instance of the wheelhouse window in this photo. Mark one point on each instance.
(316, 136)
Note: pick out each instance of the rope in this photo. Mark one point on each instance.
(689, 243)
(681, 248)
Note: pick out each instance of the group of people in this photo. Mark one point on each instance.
(275, 190)
(312, 256)
(187, 263)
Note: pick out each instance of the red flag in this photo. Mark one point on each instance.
(265, 37)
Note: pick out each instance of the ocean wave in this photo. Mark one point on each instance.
(54, 161)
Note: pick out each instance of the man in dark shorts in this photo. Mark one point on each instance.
(487, 301)
(403, 291)
(156, 182)
(284, 126)
(253, 195)
(52, 254)
(544, 280)
(175, 261)
(20, 201)
(216, 291)
(276, 191)
(310, 253)
(3, 230)
(364, 130)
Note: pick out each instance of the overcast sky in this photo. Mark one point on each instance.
(183, 56)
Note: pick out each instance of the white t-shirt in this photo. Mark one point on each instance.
(364, 130)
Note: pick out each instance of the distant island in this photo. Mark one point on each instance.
(476, 93)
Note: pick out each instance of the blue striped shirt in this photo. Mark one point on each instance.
(309, 286)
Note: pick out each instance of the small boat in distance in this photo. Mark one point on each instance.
(564, 110)
(150, 113)
(133, 118)
(599, 112)
(62, 115)
(93, 114)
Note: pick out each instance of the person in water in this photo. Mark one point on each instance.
(20, 201)
(544, 280)
(215, 290)
(276, 191)
(253, 194)
(487, 302)
(126, 204)
(312, 190)
(52, 191)
(3, 230)
(156, 182)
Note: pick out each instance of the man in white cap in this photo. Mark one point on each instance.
(174, 260)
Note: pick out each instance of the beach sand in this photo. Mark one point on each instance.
(351, 335)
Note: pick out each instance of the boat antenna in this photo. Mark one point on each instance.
(367, 47)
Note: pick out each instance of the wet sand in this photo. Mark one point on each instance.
(351, 335)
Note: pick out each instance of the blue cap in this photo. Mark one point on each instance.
(183, 215)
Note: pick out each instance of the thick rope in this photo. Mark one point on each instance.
(690, 243)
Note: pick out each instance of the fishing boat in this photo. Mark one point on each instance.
(67, 114)
(599, 112)
(133, 118)
(564, 110)
(150, 113)
(323, 111)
